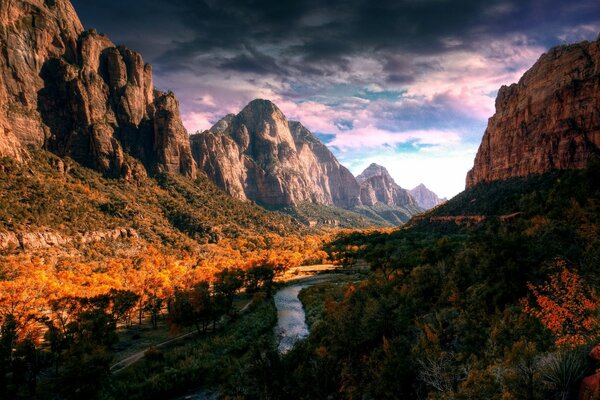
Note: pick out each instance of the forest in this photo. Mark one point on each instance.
(502, 308)
(491, 295)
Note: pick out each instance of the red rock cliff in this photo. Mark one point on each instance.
(261, 156)
(549, 120)
(77, 94)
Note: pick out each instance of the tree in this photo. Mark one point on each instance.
(227, 283)
(203, 306)
(8, 341)
(194, 306)
(260, 278)
(566, 306)
(86, 358)
(120, 304)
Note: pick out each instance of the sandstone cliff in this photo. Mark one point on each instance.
(77, 94)
(425, 198)
(261, 156)
(377, 186)
(549, 120)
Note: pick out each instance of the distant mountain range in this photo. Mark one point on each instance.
(77, 95)
(425, 198)
(259, 155)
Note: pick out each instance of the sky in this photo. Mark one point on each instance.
(408, 84)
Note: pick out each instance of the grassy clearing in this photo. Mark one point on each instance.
(214, 360)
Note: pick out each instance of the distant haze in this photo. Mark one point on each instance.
(406, 84)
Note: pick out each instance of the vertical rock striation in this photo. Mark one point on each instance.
(261, 156)
(377, 186)
(549, 120)
(77, 94)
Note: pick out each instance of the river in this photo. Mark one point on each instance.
(291, 319)
(291, 323)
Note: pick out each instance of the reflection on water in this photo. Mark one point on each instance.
(291, 320)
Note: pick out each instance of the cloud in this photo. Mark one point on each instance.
(405, 81)
(443, 172)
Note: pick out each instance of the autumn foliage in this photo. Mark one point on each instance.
(31, 284)
(566, 306)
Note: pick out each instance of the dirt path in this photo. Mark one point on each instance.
(311, 279)
(126, 362)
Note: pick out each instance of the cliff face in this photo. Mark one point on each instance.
(377, 186)
(425, 198)
(549, 120)
(75, 93)
(259, 155)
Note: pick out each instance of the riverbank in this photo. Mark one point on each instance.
(214, 360)
(292, 324)
(221, 361)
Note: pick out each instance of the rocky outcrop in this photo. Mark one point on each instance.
(77, 94)
(549, 120)
(425, 198)
(43, 239)
(324, 170)
(377, 186)
(467, 220)
(590, 385)
(259, 155)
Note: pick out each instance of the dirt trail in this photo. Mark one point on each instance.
(126, 362)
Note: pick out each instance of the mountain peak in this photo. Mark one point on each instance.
(425, 198)
(262, 106)
(378, 186)
(77, 94)
(373, 170)
(259, 155)
(222, 124)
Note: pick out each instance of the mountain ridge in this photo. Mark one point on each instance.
(426, 198)
(76, 93)
(549, 120)
(378, 186)
(259, 155)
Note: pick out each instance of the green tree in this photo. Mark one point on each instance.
(227, 283)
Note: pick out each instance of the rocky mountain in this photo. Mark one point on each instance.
(73, 92)
(76, 94)
(261, 156)
(377, 186)
(425, 198)
(549, 120)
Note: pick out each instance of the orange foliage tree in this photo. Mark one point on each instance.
(29, 284)
(566, 306)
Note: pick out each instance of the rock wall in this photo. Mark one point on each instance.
(549, 120)
(260, 156)
(77, 94)
(43, 239)
(425, 198)
(377, 186)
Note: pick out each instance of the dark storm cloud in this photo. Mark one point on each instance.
(251, 60)
(408, 75)
(324, 31)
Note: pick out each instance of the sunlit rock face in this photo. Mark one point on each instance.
(377, 186)
(425, 198)
(259, 155)
(77, 94)
(549, 120)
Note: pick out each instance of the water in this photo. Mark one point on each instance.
(291, 319)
